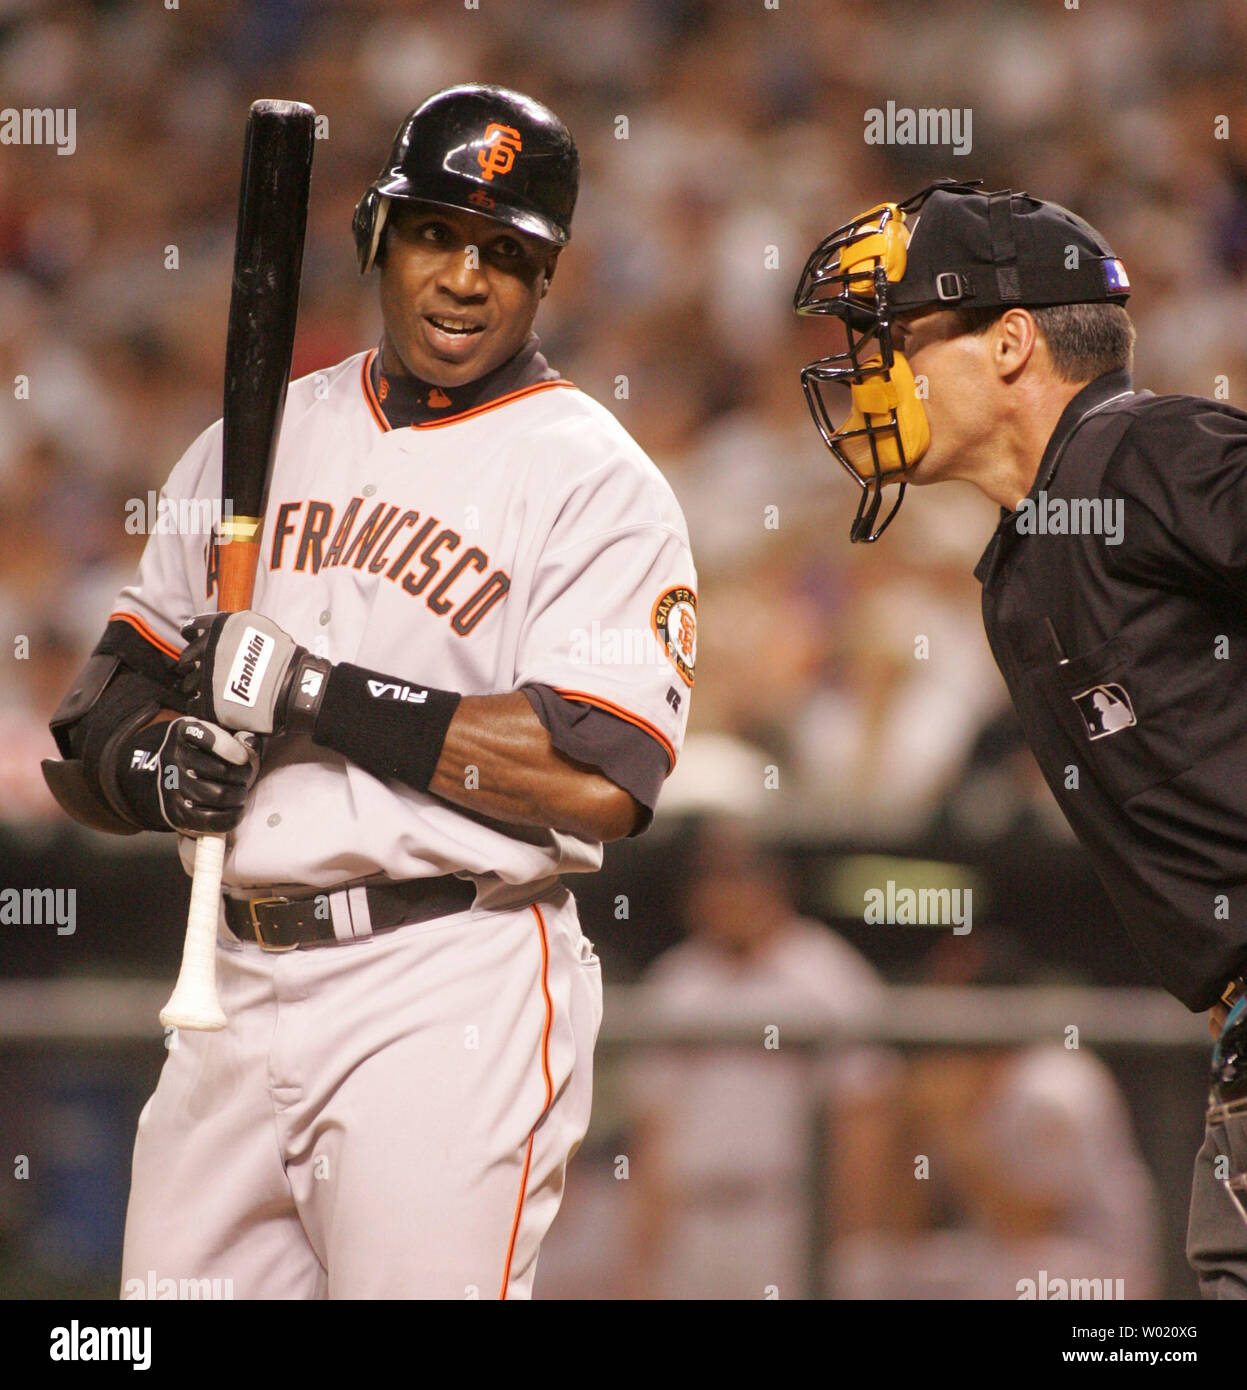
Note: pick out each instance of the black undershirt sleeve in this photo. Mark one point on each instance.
(627, 755)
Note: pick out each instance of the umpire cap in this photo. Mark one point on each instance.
(993, 250)
(483, 149)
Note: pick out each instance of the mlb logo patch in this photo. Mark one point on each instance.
(1105, 709)
(1115, 276)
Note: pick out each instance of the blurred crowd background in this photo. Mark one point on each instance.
(742, 144)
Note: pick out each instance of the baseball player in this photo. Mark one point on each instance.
(410, 739)
(1113, 587)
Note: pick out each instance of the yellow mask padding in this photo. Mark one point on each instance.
(874, 400)
(887, 248)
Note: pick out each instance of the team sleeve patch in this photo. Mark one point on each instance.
(674, 621)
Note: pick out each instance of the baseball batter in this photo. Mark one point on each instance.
(410, 739)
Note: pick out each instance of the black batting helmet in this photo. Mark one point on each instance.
(483, 149)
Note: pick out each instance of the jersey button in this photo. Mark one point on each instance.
(274, 819)
(324, 618)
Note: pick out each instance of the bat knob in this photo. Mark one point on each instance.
(192, 1010)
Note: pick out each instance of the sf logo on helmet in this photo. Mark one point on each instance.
(497, 154)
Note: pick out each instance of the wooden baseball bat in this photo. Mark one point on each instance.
(264, 301)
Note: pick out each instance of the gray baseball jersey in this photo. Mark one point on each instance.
(526, 542)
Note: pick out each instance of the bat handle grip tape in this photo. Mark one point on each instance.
(194, 1003)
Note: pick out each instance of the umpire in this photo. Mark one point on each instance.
(986, 341)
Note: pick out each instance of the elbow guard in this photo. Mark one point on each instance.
(94, 725)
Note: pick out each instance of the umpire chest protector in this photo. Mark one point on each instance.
(1124, 647)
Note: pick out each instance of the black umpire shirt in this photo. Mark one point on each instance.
(1115, 602)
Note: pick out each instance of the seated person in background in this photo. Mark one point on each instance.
(721, 1188)
(1032, 1165)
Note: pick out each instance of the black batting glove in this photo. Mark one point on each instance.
(204, 774)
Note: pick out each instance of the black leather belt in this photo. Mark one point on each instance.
(282, 924)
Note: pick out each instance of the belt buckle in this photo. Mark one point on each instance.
(252, 904)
